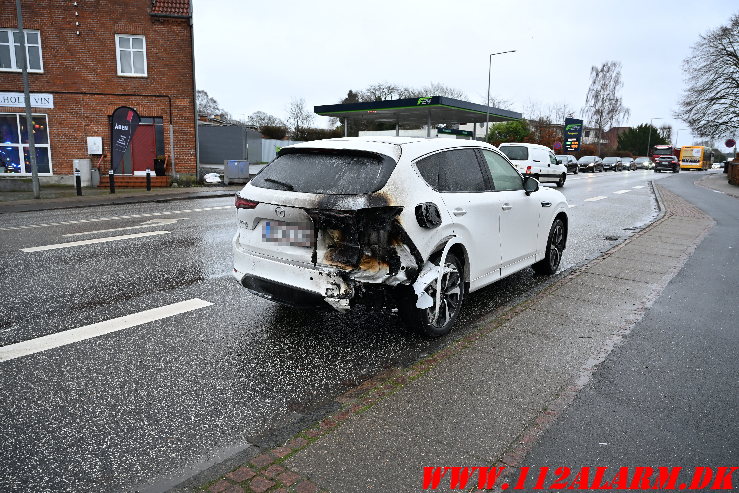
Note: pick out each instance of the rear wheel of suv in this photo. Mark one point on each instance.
(555, 247)
(452, 295)
(561, 181)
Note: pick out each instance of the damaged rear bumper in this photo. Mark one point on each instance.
(292, 283)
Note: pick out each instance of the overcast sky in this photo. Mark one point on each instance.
(258, 55)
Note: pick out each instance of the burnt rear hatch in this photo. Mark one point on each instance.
(332, 221)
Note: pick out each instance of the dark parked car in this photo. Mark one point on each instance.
(569, 161)
(667, 163)
(590, 163)
(612, 163)
(628, 163)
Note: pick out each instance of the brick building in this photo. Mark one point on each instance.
(87, 58)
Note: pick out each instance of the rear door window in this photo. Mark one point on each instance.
(515, 153)
(325, 171)
(453, 171)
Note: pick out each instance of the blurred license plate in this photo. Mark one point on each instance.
(284, 233)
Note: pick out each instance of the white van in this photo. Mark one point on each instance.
(535, 160)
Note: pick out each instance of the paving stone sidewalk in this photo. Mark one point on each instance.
(483, 400)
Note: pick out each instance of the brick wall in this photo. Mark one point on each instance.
(86, 63)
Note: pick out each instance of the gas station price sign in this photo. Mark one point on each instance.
(573, 134)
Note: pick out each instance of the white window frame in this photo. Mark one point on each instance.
(118, 50)
(11, 44)
(20, 145)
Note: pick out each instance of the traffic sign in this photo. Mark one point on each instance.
(557, 145)
(730, 143)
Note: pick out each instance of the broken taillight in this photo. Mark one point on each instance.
(242, 203)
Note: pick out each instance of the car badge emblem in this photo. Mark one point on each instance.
(280, 211)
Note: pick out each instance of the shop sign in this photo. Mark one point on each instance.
(16, 100)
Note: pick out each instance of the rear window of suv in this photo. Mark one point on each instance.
(326, 171)
(515, 153)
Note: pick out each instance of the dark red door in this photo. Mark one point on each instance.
(143, 148)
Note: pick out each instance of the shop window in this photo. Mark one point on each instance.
(131, 55)
(10, 50)
(14, 143)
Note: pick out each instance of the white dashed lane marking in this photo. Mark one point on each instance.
(90, 242)
(114, 218)
(622, 191)
(638, 186)
(59, 339)
(151, 223)
(593, 199)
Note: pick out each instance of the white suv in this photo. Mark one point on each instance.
(536, 160)
(413, 224)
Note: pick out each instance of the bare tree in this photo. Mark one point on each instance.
(260, 119)
(208, 106)
(380, 91)
(432, 89)
(298, 116)
(603, 105)
(665, 131)
(710, 103)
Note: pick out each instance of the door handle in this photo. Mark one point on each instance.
(459, 212)
(507, 207)
(546, 204)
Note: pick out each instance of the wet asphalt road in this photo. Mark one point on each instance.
(140, 406)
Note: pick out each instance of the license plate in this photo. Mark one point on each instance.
(284, 233)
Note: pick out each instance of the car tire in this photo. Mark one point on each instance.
(421, 319)
(555, 248)
(561, 181)
(676, 169)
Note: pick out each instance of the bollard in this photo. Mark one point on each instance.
(111, 181)
(148, 180)
(78, 181)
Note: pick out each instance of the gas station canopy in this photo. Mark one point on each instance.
(434, 110)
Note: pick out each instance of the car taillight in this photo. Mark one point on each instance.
(242, 203)
(528, 170)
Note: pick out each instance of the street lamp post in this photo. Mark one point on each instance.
(27, 98)
(490, 66)
(649, 140)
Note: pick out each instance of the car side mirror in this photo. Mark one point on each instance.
(530, 185)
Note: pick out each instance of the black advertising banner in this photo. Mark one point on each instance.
(125, 121)
(573, 134)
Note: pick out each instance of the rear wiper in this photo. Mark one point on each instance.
(278, 182)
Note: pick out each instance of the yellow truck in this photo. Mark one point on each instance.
(696, 157)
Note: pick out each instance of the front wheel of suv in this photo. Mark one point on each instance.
(423, 320)
(555, 248)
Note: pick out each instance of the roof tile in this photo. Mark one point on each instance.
(170, 7)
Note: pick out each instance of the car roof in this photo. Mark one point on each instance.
(391, 146)
(526, 144)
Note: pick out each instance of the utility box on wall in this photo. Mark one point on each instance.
(95, 145)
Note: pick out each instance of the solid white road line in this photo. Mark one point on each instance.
(593, 199)
(59, 339)
(622, 191)
(151, 223)
(90, 242)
